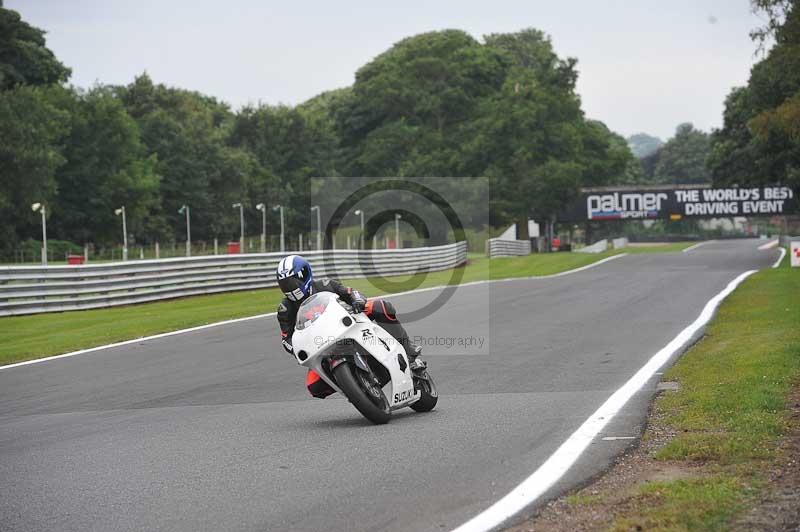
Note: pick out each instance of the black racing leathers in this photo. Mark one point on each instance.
(379, 310)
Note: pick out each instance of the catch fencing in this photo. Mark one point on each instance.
(496, 247)
(37, 289)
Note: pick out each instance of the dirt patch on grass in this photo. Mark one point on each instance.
(622, 491)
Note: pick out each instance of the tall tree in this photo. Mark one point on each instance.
(532, 136)
(187, 132)
(759, 141)
(106, 166)
(31, 129)
(409, 104)
(24, 56)
(682, 160)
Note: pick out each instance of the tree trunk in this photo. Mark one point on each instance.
(522, 228)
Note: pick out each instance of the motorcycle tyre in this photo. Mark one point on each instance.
(378, 414)
(427, 400)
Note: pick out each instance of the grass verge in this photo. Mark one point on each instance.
(41, 335)
(732, 409)
(709, 457)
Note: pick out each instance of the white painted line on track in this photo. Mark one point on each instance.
(258, 316)
(780, 259)
(136, 340)
(615, 438)
(768, 245)
(510, 279)
(690, 248)
(568, 453)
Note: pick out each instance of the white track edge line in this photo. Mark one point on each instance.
(533, 487)
(780, 259)
(136, 340)
(509, 279)
(769, 245)
(238, 320)
(690, 248)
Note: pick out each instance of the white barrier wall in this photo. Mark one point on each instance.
(496, 247)
(597, 247)
(620, 243)
(35, 289)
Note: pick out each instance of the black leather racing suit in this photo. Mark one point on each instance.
(379, 310)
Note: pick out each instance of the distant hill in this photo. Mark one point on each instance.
(642, 144)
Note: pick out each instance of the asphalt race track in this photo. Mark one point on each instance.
(214, 430)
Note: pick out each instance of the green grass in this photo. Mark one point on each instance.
(688, 504)
(731, 410)
(40, 335)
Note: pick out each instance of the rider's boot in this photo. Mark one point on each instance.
(415, 361)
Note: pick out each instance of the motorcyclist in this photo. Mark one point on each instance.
(297, 282)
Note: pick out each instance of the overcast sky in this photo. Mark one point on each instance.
(645, 65)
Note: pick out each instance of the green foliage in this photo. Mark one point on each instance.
(103, 155)
(759, 142)
(187, 133)
(408, 108)
(24, 57)
(436, 104)
(682, 159)
(31, 129)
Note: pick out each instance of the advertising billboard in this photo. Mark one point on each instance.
(676, 203)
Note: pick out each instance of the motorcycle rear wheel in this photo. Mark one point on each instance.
(367, 397)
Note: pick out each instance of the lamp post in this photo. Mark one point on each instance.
(263, 208)
(361, 213)
(283, 243)
(185, 210)
(118, 212)
(397, 231)
(35, 207)
(319, 227)
(241, 225)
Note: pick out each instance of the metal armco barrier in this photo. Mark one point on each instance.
(36, 289)
(496, 247)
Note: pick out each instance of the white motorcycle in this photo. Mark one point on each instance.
(358, 358)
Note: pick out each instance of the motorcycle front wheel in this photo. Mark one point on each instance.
(364, 392)
(427, 389)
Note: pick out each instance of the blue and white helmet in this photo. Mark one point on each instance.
(295, 277)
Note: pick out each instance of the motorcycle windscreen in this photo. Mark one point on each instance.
(312, 308)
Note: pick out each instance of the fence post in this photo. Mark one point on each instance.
(85, 253)
(216, 249)
(158, 251)
(301, 241)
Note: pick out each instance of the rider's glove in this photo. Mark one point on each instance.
(359, 301)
